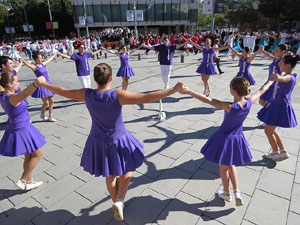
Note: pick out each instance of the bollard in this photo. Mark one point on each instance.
(105, 55)
(139, 56)
(182, 59)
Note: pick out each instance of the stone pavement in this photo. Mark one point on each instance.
(175, 184)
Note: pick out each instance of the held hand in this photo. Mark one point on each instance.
(184, 90)
(179, 86)
(39, 81)
(274, 76)
(261, 48)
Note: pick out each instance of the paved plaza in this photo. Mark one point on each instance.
(175, 185)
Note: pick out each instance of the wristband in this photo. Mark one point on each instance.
(34, 85)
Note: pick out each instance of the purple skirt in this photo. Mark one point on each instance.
(112, 156)
(42, 92)
(248, 76)
(280, 115)
(125, 72)
(21, 141)
(208, 69)
(227, 150)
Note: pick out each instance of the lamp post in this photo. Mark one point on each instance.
(25, 14)
(85, 19)
(8, 8)
(49, 10)
(135, 26)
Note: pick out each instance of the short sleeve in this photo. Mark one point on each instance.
(73, 57)
(89, 54)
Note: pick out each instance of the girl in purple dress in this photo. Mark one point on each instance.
(111, 150)
(279, 52)
(279, 111)
(20, 137)
(207, 66)
(125, 70)
(47, 97)
(228, 147)
(245, 63)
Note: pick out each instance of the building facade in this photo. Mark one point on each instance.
(159, 16)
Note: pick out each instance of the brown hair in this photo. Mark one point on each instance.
(5, 78)
(241, 86)
(102, 73)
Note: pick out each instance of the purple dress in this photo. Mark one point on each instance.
(279, 110)
(207, 66)
(110, 148)
(228, 146)
(125, 70)
(42, 92)
(244, 71)
(273, 68)
(20, 137)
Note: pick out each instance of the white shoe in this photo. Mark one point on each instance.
(227, 198)
(51, 119)
(43, 117)
(118, 210)
(238, 198)
(21, 184)
(270, 156)
(32, 184)
(281, 156)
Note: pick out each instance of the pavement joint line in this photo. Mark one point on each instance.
(50, 176)
(274, 194)
(80, 193)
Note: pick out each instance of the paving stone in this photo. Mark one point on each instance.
(293, 218)
(211, 167)
(170, 182)
(202, 185)
(259, 143)
(258, 209)
(175, 149)
(14, 166)
(6, 185)
(288, 165)
(198, 145)
(50, 195)
(5, 204)
(247, 179)
(295, 200)
(81, 174)
(65, 167)
(189, 161)
(22, 213)
(297, 176)
(269, 182)
(138, 212)
(184, 209)
(62, 212)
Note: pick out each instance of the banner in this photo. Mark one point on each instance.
(55, 25)
(139, 15)
(81, 20)
(219, 6)
(207, 6)
(30, 27)
(25, 28)
(90, 20)
(48, 25)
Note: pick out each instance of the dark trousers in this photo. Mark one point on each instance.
(217, 61)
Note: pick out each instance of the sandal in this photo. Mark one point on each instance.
(238, 198)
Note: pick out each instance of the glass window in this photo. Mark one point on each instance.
(167, 12)
(78, 12)
(97, 14)
(116, 17)
(158, 12)
(124, 8)
(106, 13)
(175, 11)
(194, 15)
(150, 12)
(184, 9)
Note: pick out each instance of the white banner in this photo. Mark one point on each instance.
(30, 27)
(207, 6)
(139, 14)
(25, 28)
(81, 20)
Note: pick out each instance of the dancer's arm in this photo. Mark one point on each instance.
(255, 54)
(220, 48)
(17, 98)
(17, 68)
(147, 47)
(97, 52)
(270, 55)
(112, 52)
(262, 90)
(235, 52)
(181, 45)
(129, 98)
(50, 59)
(133, 50)
(77, 95)
(277, 77)
(214, 102)
(63, 55)
(196, 45)
(29, 65)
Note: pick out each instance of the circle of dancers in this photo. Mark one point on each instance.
(114, 152)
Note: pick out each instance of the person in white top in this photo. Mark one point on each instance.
(250, 39)
(216, 56)
(229, 42)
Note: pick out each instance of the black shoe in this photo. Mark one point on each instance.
(222, 72)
